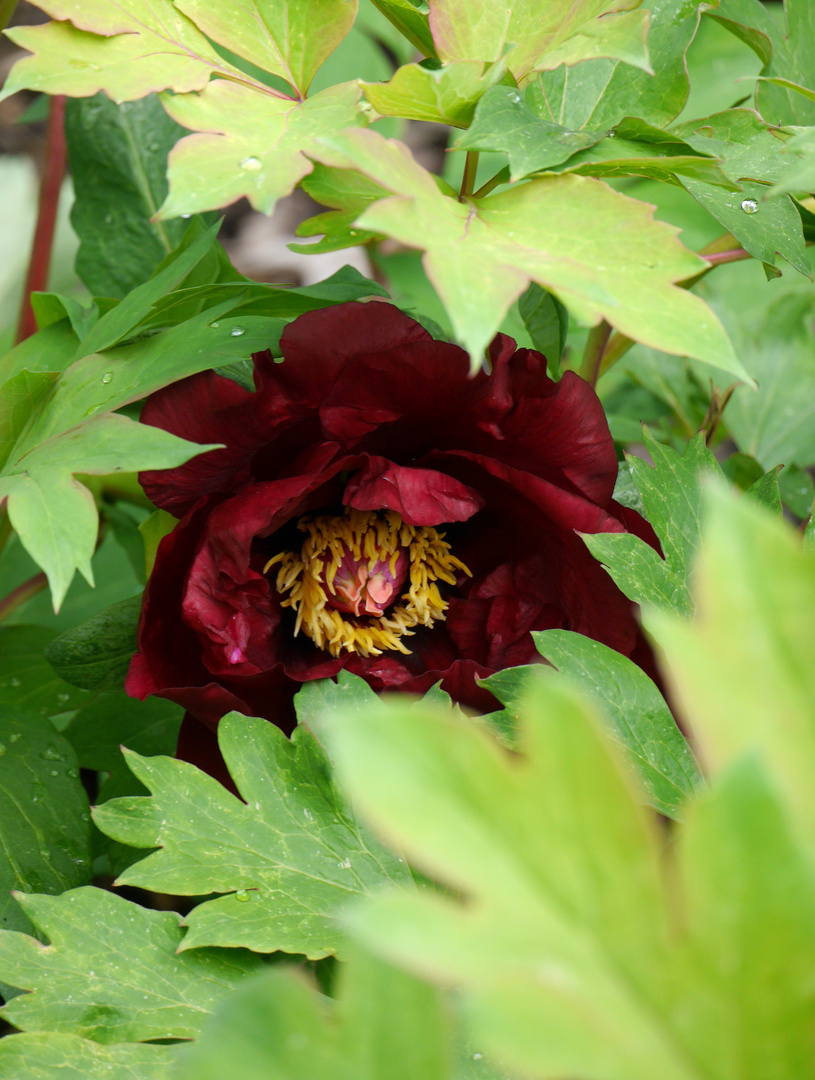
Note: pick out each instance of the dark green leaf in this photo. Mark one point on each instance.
(44, 814)
(96, 654)
(28, 680)
(118, 157)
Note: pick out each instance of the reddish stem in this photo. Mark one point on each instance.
(719, 257)
(50, 187)
(19, 596)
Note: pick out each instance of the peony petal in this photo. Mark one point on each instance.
(420, 496)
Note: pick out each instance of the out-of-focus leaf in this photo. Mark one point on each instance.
(411, 20)
(382, 1023)
(799, 159)
(481, 255)
(792, 60)
(27, 680)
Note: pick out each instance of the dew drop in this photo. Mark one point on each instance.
(107, 377)
(54, 772)
(514, 97)
(14, 681)
(307, 814)
(477, 1057)
(15, 735)
(237, 331)
(52, 755)
(345, 864)
(186, 216)
(251, 164)
(241, 896)
(2, 749)
(749, 206)
(63, 698)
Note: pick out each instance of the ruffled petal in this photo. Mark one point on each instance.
(420, 496)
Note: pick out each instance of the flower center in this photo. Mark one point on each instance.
(345, 584)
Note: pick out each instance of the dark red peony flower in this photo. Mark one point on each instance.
(375, 509)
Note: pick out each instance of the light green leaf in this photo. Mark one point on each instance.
(508, 121)
(382, 1023)
(118, 156)
(792, 60)
(53, 514)
(671, 498)
(112, 971)
(248, 144)
(638, 719)
(289, 39)
(481, 255)
(95, 655)
(27, 680)
(445, 95)
(750, 21)
(601, 92)
(411, 20)
(18, 399)
(128, 52)
(581, 945)
(741, 673)
(562, 33)
(291, 856)
(799, 159)
(44, 810)
(43, 1056)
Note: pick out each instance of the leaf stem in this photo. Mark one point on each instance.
(17, 597)
(50, 187)
(594, 352)
(468, 179)
(501, 177)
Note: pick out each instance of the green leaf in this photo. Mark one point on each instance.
(566, 34)
(20, 396)
(671, 499)
(602, 92)
(446, 95)
(118, 156)
(291, 856)
(153, 530)
(750, 690)
(53, 514)
(411, 20)
(510, 122)
(481, 255)
(50, 349)
(44, 810)
(289, 39)
(581, 944)
(766, 491)
(43, 1056)
(792, 61)
(638, 719)
(28, 681)
(547, 322)
(748, 20)
(797, 490)
(348, 192)
(95, 655)
(248, 144)
(382, 1023)
(112, 972)
(128, 52)
(799, 174)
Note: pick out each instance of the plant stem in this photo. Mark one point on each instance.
(594, 352)
(468, 179)
(7, 8)
(17, 597)
(50, 187)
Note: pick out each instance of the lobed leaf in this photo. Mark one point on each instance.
(112, 972)
(481, 254)
(291, 856)
(41, 1056)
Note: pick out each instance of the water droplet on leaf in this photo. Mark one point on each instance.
(251, 164)
(2, 749)
(749, 206)
(237, 331)
(15, 735)
(14, 681)
(107, 377)
(186, 216)
(241, 896)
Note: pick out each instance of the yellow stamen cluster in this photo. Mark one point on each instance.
(308, 577)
